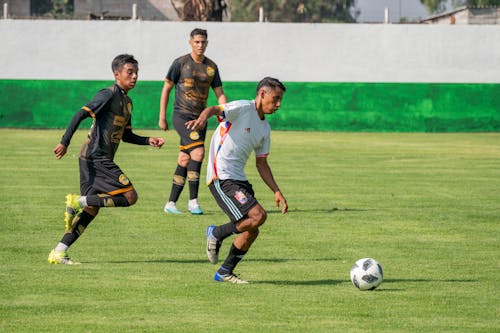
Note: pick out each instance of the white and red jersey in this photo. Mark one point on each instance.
(240, 132)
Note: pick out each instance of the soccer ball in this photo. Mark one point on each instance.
(366, 274)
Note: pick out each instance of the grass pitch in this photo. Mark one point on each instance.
(426, 206)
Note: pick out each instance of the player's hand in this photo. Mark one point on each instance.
(60, 151)
(195, 124)
(156, 142)
(280, 199)
(163, 124)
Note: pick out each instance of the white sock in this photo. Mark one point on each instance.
(193, 202)
(82, 201)
(61, 247)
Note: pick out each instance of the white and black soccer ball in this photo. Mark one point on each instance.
(366, 274)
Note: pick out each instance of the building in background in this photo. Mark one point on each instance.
(467, 15)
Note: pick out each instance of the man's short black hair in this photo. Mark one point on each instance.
(120, 60)
(200, 32)
(271, 83)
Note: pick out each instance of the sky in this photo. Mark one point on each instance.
(373, 10)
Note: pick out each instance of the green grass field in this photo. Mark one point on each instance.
(426, 206)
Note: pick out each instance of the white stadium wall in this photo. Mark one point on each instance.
(82, 50)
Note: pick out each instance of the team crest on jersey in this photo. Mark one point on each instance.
(241, 197)
(194, 135)
(123, 179)
(210, 71)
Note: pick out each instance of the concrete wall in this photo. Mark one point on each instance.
(82, 50)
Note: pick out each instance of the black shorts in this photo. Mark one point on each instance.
(234, 197)
(102, 177)
(189, 139)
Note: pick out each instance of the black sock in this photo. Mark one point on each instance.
(234, 257)
(193, 175)
(221, 232)
(178, 183)
(107, 201)
(82, 220)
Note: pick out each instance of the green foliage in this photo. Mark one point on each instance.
(62, 9)
(424, 205)
(294, 10)
(478, 3)
(434, 6)
(58, 9)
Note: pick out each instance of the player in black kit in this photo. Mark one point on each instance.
(192, 75)
(102, 182)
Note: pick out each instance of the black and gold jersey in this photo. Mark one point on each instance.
(192, 83)
(111, 112)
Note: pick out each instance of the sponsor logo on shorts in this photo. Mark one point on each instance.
(241, 197)
(123, 179)
(194, 135)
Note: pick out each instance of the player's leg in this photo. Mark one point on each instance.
(59, 254)
(237, 200)
(102, 184)
(110, 186)
(178, 182)
(193, 175)
(180, 173)
(248, 229)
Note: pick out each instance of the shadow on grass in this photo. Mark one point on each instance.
(319, 210)
(205, 261)
(430, 280)
(323, 282)
(380, 289)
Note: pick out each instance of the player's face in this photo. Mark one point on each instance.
(198, 44)
(126, 78)
(271, 100)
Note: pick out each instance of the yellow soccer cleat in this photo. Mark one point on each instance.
(73, 208)
(61, 257)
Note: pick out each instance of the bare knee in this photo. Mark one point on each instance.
(131, 197)
(258, 216)
(197, 154)
(183, 159)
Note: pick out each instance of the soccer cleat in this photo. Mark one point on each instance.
(194, 207)
(213, 246)
(73, 208)
(229, 277)
(61, 257)
(171, 208)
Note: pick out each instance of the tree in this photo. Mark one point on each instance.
(478, 3)
(199, 10)
(313, 11)
(434, 6)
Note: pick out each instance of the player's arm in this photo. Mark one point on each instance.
(130, 137)
(164, 98)
(201, 121)
(221, 97)
(268, 178)
(79, 116)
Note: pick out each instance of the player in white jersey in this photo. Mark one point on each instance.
(243, 128)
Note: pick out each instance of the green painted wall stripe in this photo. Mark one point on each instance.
(396, 107)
